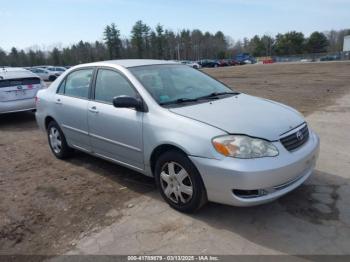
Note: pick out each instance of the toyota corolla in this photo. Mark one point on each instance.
(199, 139)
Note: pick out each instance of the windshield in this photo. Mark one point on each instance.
(167, 83)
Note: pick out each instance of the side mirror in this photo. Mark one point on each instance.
(128, 102)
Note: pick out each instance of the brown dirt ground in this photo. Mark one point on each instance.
(306, 87)
(46, 203)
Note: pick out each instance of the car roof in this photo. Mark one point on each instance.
(14, 72)
(127, 63)
(40, 68)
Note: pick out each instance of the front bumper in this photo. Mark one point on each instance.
(274, 176)
(17, 106)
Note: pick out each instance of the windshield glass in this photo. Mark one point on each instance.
(167, 83)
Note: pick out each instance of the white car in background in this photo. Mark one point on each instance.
(191, 64)
(18, 89)
(57, 70)
(44, 74)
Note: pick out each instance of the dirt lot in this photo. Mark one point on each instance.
(46, 204)
(306, 87)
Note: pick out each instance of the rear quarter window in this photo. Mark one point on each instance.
(60, 89)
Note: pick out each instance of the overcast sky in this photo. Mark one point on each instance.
(46, 23)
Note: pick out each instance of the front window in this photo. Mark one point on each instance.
(110, 84)
(171, 83)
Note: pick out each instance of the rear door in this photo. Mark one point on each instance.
(70, 106)
(19, 89)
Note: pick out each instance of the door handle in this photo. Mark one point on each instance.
(58, 101)
(93, 109)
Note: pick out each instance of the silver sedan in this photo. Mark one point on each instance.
(18, 88)
(199, 139)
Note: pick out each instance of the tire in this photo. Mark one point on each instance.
(57, 141)
(52, 78)
(182, 189)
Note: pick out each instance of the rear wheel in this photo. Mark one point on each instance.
(179, 182)
(57, 141)
(52, 78)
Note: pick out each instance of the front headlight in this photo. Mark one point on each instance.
(240, 146)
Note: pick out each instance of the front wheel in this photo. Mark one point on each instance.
(179, 182)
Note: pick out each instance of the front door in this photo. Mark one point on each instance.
(115, 133)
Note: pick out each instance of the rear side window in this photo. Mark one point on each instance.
(60, 89)
(110, 84)
(77, 84)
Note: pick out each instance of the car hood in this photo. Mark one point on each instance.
(244, 114)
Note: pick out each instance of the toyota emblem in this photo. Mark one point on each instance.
(300, 135)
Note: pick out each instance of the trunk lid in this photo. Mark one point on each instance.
(19, 88)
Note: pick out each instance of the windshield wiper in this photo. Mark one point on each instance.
(216, 94)
(179, 101)
(210, 96)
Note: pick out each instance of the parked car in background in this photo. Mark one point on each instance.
(191, 64)
(197, 137)
(330, 58)
(232, 62)
(227, 62)
(44, 74)
(222, 63)
(245, 58)
(41, 66)
(208, 63)
(18, 88)
(58, 70)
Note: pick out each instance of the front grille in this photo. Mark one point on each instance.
(296, 140)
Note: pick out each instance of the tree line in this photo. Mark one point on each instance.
(161, 43)
(292, 43)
